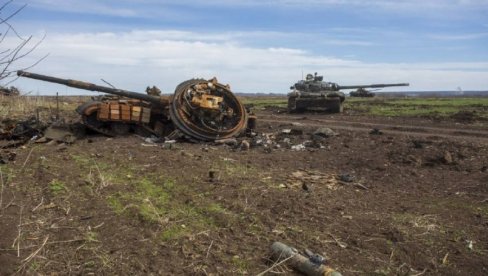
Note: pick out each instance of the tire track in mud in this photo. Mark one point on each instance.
(398, 129)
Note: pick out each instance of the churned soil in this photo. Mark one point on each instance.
(384, 196)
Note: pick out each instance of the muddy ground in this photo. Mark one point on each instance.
(408, 199)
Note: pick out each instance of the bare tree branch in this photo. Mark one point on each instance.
(24, 46)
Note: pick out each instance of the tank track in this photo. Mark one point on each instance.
(100, 129)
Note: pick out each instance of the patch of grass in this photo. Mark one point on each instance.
(34, 266)
(57, 186)
(233, 168)
(474, 208)
(91, 236)
(173, 232)
(215, 208)
(407, 221)
(115, 203)
(89, 162)
(152, 198)
(155, 200)
(18, 107)
(261, 102)
(441, 107)
(241, 265)
(99, 174)
(425, 229)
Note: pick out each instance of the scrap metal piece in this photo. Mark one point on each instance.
(9, 91)
(282, 252)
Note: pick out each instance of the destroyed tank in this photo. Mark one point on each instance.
(199, 109)
(9, 91)
(315, 94)
(362, 93)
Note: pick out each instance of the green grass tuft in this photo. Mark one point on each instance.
(57, 186)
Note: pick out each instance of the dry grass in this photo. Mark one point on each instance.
(38, 106)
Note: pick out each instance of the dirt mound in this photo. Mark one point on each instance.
(466, 116)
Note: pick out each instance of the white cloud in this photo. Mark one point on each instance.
(91, 7)
(133, 60)
(467, 36)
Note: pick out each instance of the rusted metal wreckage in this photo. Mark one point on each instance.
(9, 91)
(199, 109)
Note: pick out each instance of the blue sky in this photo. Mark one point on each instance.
(258, 46)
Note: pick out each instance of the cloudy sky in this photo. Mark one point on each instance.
(256, 45)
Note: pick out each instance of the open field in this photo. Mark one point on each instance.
(416, 202)
(383, 106)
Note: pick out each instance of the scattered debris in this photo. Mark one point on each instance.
(418, 144)
(324, 132)
(376, 131)
(7, 156)
(16, 130)
(411, 159)
(346, 177)
(9, 91)
(31, 129)
(298, 147)
(213, 176)
(245, 145)
(308, 263)
(228, 141)
(292, 131)
(447, 158)
(266, 140)
(314, 257)
(60, 133)
(307, 179)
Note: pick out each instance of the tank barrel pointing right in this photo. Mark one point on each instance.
(372, 85)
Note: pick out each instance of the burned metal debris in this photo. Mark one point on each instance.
(308, 263)
(15, 133)
(201, 110)
(9, 91)
(18, 130)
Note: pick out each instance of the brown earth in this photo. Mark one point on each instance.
(417, 203)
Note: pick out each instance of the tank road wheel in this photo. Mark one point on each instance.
(335, 105)
(292, 104)
(91, 121)
(119, 129)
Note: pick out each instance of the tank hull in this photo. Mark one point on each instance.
(325, 101)
(300, 105)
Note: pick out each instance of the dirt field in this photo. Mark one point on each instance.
(410, 198)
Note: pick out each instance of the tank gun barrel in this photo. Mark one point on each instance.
(371, 86)
(92, 87)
